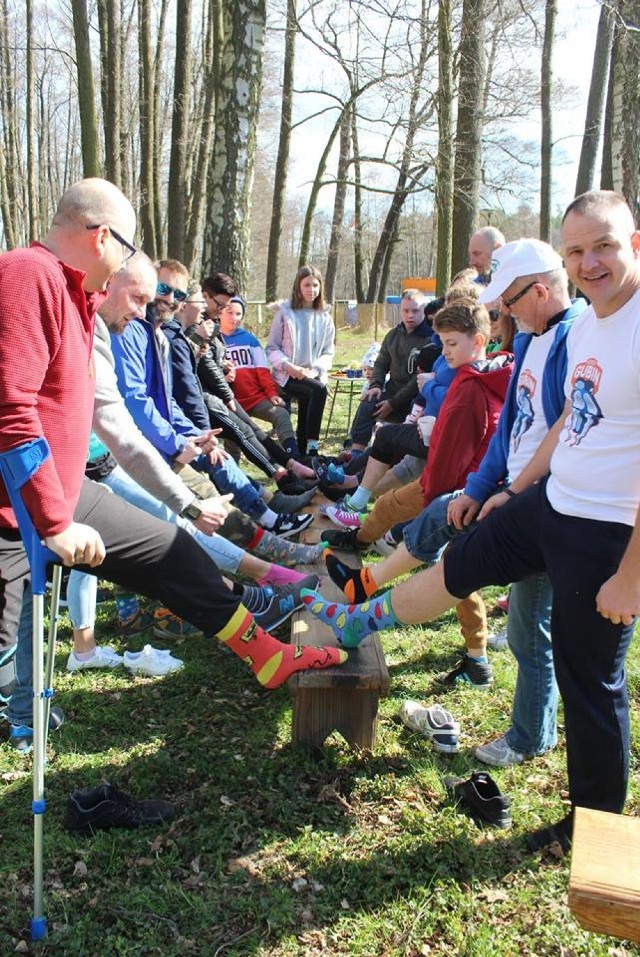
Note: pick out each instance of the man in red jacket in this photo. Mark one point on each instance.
(50, 392)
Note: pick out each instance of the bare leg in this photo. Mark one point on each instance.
(386, 483)
(400, 562)
(84, 640)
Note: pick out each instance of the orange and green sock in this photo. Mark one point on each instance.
(358, 584)
(273, 661)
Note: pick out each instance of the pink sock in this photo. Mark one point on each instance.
(277, 575)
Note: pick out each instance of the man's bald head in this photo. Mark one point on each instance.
(96, 201)
(481, 246)
(130, 290)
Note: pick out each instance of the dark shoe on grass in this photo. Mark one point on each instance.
(343, 538)
(560, 833)
(471, 671)
(21, 735)
(104, 807)
(481, 796)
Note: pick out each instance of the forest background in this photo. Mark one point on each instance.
(371, 138)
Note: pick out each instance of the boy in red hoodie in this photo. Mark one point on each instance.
(463, 429)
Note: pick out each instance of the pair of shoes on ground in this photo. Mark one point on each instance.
(435, 723)
(105, 807)
(286, 526)
(150, 661)
(481, 797)
(470, 671)
(21, 735)
(286, 599)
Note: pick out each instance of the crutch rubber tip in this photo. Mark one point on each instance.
(38, 928)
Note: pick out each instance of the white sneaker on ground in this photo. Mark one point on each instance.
(499, 754)
(498, 641)
(152, 661)
(434, 722)
(104, 657)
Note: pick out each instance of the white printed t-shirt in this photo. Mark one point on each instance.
(595, 468)
(530, 424)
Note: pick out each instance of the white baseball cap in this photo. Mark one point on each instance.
(525, 257)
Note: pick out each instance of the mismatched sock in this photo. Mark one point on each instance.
(358, 584)
(277, 575)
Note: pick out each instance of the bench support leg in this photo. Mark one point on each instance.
(317, 712)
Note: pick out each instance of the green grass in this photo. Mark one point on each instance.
(277, 852)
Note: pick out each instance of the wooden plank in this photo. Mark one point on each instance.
(345, 698)
(604, 883)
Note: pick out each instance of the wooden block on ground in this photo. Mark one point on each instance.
(604, 883)
(345, 698)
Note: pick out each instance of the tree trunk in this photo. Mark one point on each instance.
(146, 202)
(606, 169)
(179, 134)
(444, 163)
(468, 158)
(158, 132)
(546, 142)
(32, 205)
(280, 179)
(109, 16)
(226, 243)
(625, 126)
(86, 91)
(338, 207)
(358, 259)
(11, 214)
(595, 103)
(200, 170)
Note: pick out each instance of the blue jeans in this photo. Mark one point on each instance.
(535, 702)
(229, 478)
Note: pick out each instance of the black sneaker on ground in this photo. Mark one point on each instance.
(291, 485)
(288, 525)
(478, 673)
(482, 797)
(286, 599)
(104, 807)
(560, 833)
(343, 539)
(333, 493)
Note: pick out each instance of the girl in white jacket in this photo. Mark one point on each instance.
(300, 348)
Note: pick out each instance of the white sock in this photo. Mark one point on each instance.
(268, 518)
(360, 498)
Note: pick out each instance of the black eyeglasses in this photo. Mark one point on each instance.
(119, 239)
(164, 289)
(507, 303)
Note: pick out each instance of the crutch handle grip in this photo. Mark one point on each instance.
(17, 466)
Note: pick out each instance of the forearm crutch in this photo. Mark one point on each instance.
(17, 466)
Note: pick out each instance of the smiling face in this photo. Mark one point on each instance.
(231, 318)
(411, 313)
(127, 299)
(165, 304)
(601, 252)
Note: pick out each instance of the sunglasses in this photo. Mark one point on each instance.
(131, 249)
(507, 303)
(163, 288)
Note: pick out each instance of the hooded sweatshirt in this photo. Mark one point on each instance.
(253, 382)
(467, 420)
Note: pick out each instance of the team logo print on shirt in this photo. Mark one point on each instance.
(585, 411)
(523, 421)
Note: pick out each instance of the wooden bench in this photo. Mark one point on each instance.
(604, 883)
(345, 698)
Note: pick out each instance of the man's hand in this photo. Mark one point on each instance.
(206, 441)
(462, 511)
(231, 405)
(214, 512)
(619, 598)
(204, 329)
(78, 545)
(373, 393)
(276, 400)
(496, 501)
(423, 377)
(383, 409)
(189, 452)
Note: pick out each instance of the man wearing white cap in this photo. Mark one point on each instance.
(573, 511)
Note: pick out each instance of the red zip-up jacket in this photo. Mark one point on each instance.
(46, 378)
(466, 421)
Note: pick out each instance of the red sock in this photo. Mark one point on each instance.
(273, 661)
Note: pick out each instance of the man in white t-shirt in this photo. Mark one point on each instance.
(581, 524)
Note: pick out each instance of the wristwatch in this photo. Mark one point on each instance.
(192, 511)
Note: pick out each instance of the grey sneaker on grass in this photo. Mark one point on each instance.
(499, 754)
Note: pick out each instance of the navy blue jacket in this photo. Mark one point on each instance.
(186, 385)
